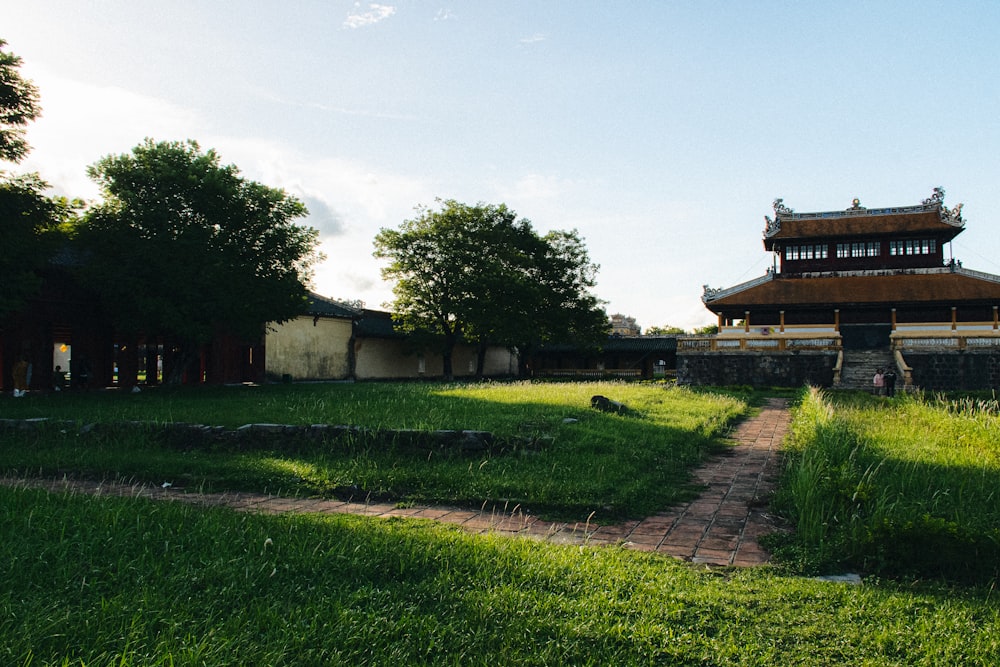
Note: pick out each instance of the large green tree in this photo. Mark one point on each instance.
(184, 247)
(18, 106)
(33, 228)
(481, 274)
(29, 220)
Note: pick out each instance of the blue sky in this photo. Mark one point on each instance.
(662, 131)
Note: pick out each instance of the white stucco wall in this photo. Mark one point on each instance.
(309, 351)
(382, 359)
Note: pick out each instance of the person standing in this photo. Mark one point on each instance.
(20, 373)
(878, 382)
(890, 383)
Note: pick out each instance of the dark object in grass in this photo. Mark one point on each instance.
(605, 404)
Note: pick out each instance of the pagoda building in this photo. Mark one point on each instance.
(851, 291)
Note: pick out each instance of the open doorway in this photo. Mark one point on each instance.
(61, 364)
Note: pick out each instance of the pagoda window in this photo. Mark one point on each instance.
(858, 249)
(913, 247)
(818, 251)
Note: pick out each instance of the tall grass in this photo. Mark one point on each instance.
(905, 487)
(127, 582)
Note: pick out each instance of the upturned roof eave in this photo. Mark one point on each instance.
(863, 290)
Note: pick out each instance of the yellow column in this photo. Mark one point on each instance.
(782, 313)
(954, 318)
(995, 320)
(836, 320)
(893, 319)
(746, 321)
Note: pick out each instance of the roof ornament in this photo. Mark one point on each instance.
(710, 292)
(937, 197)
(954, 215)
(856, 205)
(772, 227)
(950, 215)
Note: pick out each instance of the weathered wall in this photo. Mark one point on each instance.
(758, 369)
(308, 350)
(955, 369)
(386, 359)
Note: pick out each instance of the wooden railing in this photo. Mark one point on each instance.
(757, 343)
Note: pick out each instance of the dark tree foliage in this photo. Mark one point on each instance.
(18, 106)
(481, 274)
(33, 229)
(186, 248)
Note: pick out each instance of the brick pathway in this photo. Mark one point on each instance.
(720, 527)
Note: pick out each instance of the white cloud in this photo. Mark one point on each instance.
(534, 39)
(374, 14)
(348, 201)
(81, 123)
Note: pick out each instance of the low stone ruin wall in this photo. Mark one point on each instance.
(287, 438)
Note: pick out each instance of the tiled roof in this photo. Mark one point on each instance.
(909, 221)
(320, 305)
(862, 290)
(377, 324)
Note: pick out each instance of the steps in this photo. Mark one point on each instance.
(860, 365)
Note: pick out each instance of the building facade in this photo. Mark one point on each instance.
(851, 291)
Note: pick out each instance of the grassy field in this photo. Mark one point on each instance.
(109, 581)
(908, 487)
(112, 581)
(584, 462)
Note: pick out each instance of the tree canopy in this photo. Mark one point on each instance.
(665, 330)
(184, 247)
(32, 229)
(480, 273)
(18, 106)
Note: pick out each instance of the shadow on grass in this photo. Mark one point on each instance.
(582, 463)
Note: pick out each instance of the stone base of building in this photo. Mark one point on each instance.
(757, 369)
(955, 370)
(932, 370)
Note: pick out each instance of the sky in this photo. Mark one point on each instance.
(661, 130)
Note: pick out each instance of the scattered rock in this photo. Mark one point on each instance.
(605, 404)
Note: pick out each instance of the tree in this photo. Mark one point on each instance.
(706, 330)
(33, 227)
(184, 247)
(481, 274)
(27, 217)
(665, 330)
(18, 106)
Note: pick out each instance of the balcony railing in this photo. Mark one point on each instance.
(755, 343)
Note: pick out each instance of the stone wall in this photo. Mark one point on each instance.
(756, 369)
(955, 369)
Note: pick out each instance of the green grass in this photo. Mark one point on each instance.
(109, 581)
(902, 487)
(586, 463)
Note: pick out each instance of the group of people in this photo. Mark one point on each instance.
(21, 374)
(884, 382)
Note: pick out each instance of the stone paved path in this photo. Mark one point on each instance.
(720, 527)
